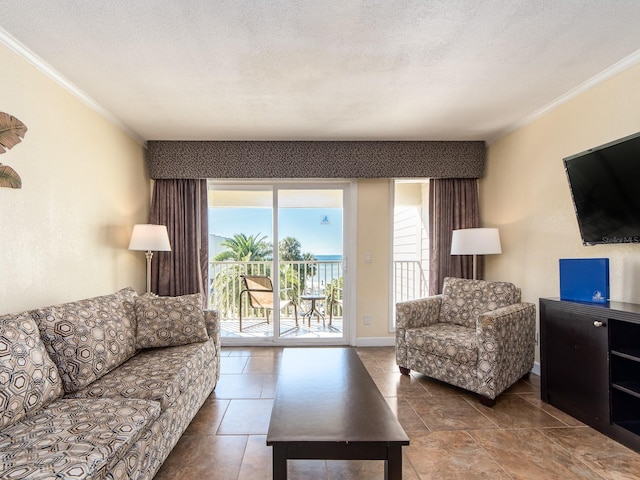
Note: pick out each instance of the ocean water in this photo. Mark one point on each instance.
(328, 258)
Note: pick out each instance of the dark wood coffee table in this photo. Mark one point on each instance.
(328, 407)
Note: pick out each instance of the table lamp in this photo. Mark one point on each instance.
(150, 238)
(475, 241)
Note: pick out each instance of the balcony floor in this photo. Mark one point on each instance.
(258, 328)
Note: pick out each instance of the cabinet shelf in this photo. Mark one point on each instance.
(628, 353)
(632, 388)
(633, 426)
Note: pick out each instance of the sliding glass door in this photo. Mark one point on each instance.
(277, 269)
(310, 256)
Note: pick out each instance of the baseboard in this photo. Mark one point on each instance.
(536, 368)
(375, 341)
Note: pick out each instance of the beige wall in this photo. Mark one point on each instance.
(373, 231)
(525, 192)
(64, 235)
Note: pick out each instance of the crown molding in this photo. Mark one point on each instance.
(606, 74)
(15, 46)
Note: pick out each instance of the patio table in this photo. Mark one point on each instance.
(314, 308)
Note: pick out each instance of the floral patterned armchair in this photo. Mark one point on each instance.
(476, 335)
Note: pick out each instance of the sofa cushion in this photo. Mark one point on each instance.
(445, 340)
(169, 321)
(160, 374)
(29, 380)
(463, 300)
(74, 438)
(88, 338)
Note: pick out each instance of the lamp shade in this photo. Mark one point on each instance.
(150, 238)
(476, 241)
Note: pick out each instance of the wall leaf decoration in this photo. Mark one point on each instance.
(12, 131)
(9, 177)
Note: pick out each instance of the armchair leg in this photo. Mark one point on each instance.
(404, 370)
(486, 401)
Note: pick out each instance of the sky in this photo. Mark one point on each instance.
(319, 230)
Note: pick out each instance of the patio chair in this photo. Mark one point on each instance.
(335, 300)
(259, 290)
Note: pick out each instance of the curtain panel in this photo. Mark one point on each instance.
(453, 204)
(181, 205)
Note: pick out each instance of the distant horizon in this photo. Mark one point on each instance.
(325, 257)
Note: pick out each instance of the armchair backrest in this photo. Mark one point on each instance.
(463, 300)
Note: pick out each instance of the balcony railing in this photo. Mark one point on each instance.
(296, 278)
(410, 280)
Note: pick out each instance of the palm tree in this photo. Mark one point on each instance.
(243, 248)
(290, 249)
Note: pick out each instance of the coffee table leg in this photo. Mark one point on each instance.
(393, 465)
(279, 463)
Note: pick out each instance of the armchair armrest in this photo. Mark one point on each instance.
(503, 322)
(418, 313)
(413, 314)
(506, 346)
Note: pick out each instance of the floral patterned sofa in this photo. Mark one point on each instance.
(476, 335)
(102, 387)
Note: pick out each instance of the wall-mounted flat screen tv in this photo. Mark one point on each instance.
(605, 186)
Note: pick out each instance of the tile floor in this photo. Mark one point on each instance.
(452, 435)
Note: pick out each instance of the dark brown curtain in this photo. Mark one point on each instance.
(181, 205)
(453, 204)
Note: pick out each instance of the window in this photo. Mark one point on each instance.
(410, 241)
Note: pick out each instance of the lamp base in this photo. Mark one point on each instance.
(475, 267)
(149, 255)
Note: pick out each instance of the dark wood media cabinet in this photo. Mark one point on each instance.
(590, 364)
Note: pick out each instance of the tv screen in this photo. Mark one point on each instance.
(605, 186)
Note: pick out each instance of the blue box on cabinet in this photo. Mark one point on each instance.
(584, 279)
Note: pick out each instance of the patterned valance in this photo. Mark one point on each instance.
(315, 159)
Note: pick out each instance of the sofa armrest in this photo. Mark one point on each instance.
(212, 322)
(506, 346)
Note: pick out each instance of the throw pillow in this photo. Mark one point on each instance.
(169, 321)
(88, 338)
(29, 379)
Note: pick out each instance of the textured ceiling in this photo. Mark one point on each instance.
(324, 69)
